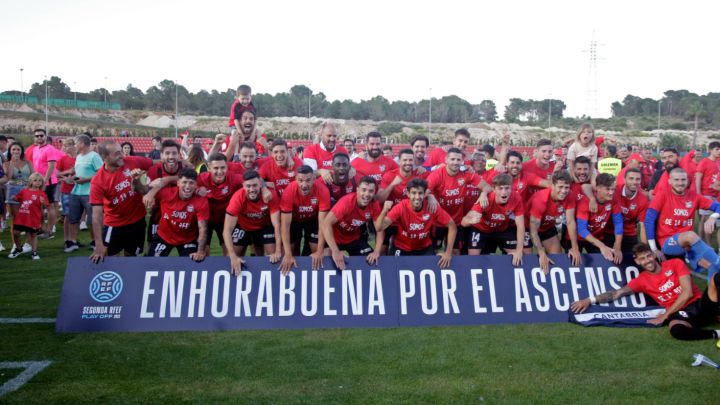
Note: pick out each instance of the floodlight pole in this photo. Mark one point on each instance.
(22, 89)
(659, 103)
(176, 109)
(430, 114)
(549, 110)
(105, 95)
(46, 105)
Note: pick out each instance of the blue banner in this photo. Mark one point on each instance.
(177, 294)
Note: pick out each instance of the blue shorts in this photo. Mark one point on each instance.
(12, 190)
(65, 202)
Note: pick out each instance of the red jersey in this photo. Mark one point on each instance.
(337, 192)
(122, 205)
(450, 191)
(321, 156)
(496, 217)
(65, 163)
(252, 215)
(238, 168)
(710, 170)
(435, 157)
(305, 207)
(531, 166)
(399, 192)
(219, 194)
(543, 207)
(374, 169)
(576, 192)
(596, 222)
(414, 227)
(647, 170)
(179, 218)
(157, 171)
(521, 184)
(280, 177)
(633, 210)
(30, 211)
(676, 213)
(664, 287)
(350, 218)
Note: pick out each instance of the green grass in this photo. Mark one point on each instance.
(7, 374)
(559, 363)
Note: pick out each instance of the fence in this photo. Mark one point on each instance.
(60, 102)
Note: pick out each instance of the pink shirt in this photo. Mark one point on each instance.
(42, 156)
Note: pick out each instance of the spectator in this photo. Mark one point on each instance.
(87, 163)
(157, 145)
(196, 157)
(28, 219)
(127, 149)
(44, 156)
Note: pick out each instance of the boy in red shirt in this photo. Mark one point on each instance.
(29, 215)
(303, 206)
(66, 172)
(490, 226)
(183, 219)
(670, 284)
(251, 220)
(414, 222)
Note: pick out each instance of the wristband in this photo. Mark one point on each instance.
(593, 300)
(652, 244)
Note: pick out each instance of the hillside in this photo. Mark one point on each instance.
(21, 119)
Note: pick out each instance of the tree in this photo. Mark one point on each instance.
(487, 111)
(56, 88)
(695, 110)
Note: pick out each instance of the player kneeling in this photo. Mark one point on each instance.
(249, 219)
(343, 226)
(304, 204)
(491, 226)
(415, 222)
(686, 309)
(183, 219)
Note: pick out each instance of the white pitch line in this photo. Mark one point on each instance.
(32, 368)
(27, 320)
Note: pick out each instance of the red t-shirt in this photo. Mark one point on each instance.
(321, 156)
(280, 177)
(600, 219)
(435, 157)
(252, 215)
(238, 168)
(543, 207)
(450, 191)
(414, 227)
(710, 170)
(65, 163)
(576, 192)
(676, 213)
(531, 166)
(30, 212)
(521, 184)
(336, 191)
(633, 210)
(237, 109)
(496, 217)
(155, 172)
(114, 191)
(399, 192)
(219, 194)
(179, 218)
(374, 169)
(305, 207)
(350, 218)
(664, 287)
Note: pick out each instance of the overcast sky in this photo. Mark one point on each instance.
(358, 49)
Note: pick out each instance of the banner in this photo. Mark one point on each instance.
(177, 294)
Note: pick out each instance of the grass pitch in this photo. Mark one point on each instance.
(559, 363)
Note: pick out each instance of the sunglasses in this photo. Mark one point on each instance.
(39, 136)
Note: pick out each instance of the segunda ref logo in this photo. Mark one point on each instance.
(106, 286)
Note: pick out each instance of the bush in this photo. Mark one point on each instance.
(678, 142)
(388, 128)
(679, 126)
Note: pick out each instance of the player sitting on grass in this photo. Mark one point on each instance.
(670, 218)
(670, 284)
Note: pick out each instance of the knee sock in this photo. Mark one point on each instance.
(683, 332)
(701, 250)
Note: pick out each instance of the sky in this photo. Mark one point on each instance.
(402, 50)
